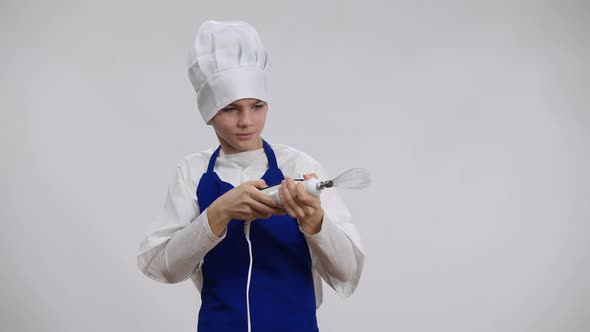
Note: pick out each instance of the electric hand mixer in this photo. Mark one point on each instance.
(355, 178)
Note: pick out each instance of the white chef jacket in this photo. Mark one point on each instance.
(178, 240)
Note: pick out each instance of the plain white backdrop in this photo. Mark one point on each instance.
(472, 117)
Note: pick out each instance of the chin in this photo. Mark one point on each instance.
(237, 145)
(243, 146)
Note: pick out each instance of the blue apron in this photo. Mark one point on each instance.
(281, 296)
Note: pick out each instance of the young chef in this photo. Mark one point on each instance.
(258, 266)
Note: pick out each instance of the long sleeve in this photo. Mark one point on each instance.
(336, 251)
(179, 238)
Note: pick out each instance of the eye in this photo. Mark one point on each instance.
(258, 106)
(229, 109)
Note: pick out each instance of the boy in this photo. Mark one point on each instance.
(257, 266)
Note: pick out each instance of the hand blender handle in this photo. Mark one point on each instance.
(310, 186)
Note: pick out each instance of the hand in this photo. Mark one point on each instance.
(244, 202)
(299, 204)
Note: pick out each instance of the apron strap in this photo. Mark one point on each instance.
(212, 160)
(270, 156)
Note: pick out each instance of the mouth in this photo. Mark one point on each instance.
(245, 136)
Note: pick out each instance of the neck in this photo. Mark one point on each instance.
(228, 149)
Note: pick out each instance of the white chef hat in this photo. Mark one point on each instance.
(227, 62)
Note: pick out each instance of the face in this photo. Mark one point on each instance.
(239, 125)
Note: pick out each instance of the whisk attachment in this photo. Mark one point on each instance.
(355, 178)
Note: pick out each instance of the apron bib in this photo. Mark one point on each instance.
(281, 292)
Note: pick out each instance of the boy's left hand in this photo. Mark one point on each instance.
(299, 204)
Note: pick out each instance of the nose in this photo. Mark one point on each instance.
(245, 119)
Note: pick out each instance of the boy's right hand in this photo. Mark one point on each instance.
(244, 202)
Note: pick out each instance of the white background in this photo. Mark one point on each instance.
(472, 117)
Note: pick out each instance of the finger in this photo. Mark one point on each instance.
(306, 198)
(299, 194)
(303, 198)
(292, 198)
(263, 198)
(258, 184)
(278, 211)
(308, 203)
(286, 199)
(291, 186)
(310, 176)
(260, 210)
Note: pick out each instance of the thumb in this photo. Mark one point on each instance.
(258, 184)
(309, 176)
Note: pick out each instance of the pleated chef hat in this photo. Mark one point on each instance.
(226, 63)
